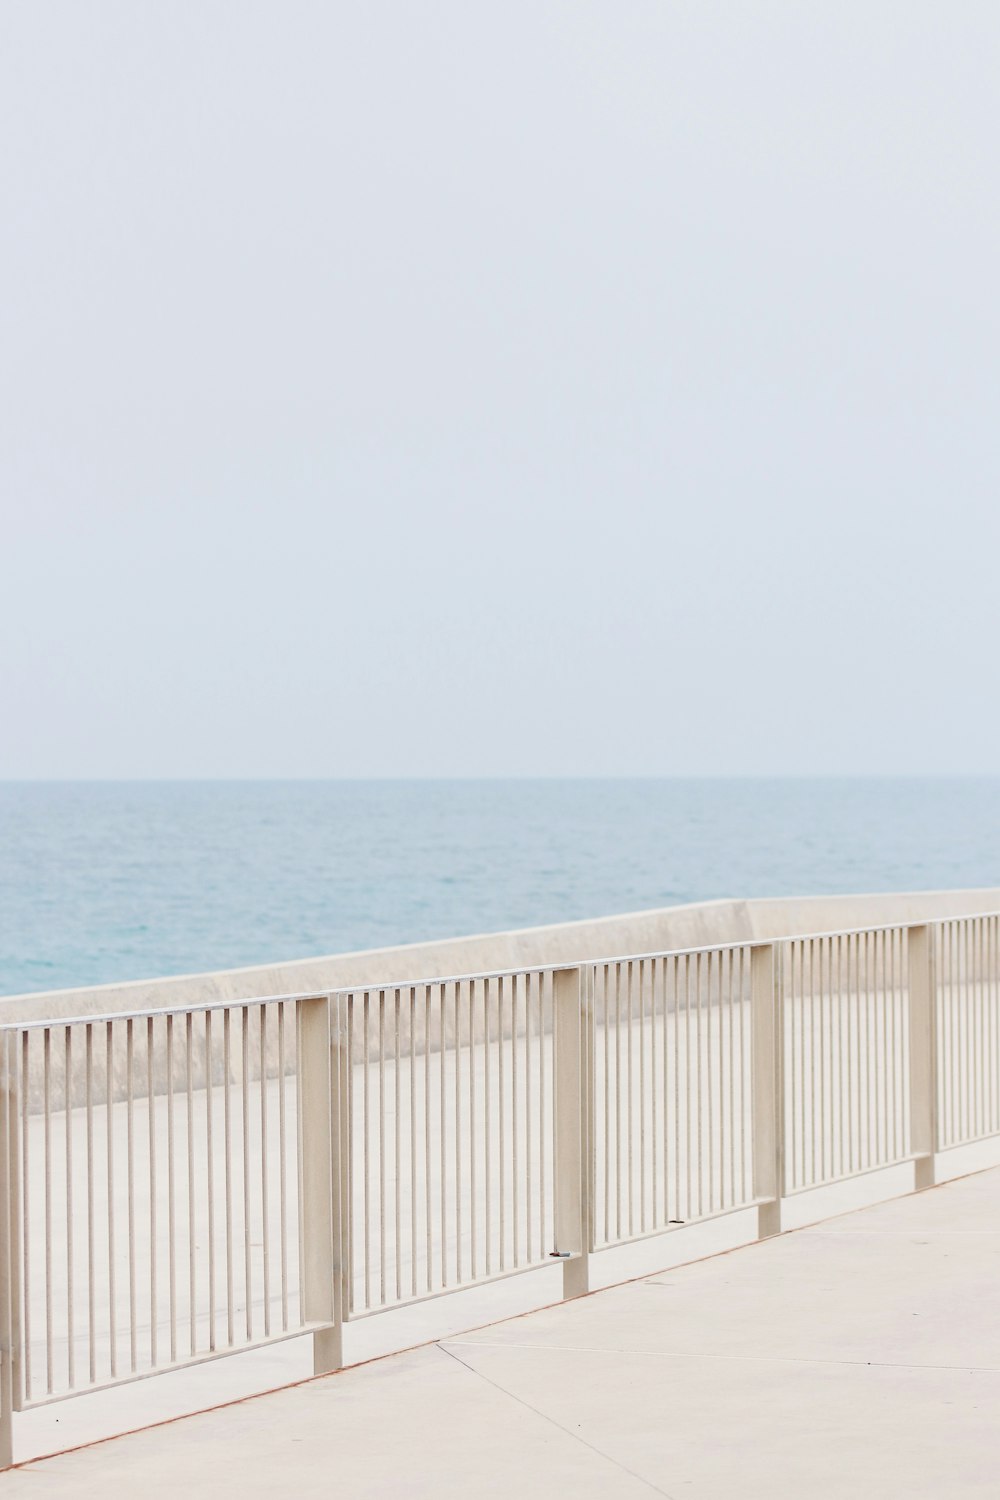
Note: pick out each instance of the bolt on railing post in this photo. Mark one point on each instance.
(572, 1087)
(768, 1088)
(318, 1162)
(922, 1008)
(9, 1234)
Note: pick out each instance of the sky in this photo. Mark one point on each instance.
(527, 387)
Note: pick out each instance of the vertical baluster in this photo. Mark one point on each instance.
(689, 1192)
(428, 1221)
(151, 1129)
(676, 991)
(857, 1158)
(958, 1090)
(487, 1129)
(191, 1223)
(457, 1049)
(902, 1027)
(210, 1178)
(721, 968)
(894, 1044)
(885, 1070)
(91, 1214)
(619, 1142)
(413, 1140)
(349, 1128)
(642, 1095)
(991, 974)
(658, 1055)
(981, 1084)
(701, 1072)
(530, 981)
(967, 1068)
(227, 1118)
(9, 1230)
(68, 1123)
(26, 1185)
(443, 1136)
(282, 1167)
(607, 1102)
(826, 1055)
(630, 1096)
(514, 1113)
(245, 1111)
(171, 1181)
(380, 998)
(109, 1091)
(731, 1133)
(130, 1180)
(872, 1039)
(798, 998)
(744, 1189)
(366, 1133)
(544, 982)
(501, 1087)
(815, 1124)
(47, 1153)
(864, 999)
(397, 1152)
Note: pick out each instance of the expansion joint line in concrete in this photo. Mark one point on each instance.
(756, 1359)
(568, 1432)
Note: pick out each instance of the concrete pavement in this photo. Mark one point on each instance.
(857, 1358)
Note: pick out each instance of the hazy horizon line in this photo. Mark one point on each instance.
(542, 777)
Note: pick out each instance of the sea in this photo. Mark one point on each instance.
(106, 881)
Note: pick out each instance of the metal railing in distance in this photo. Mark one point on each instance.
(845, 1055)
(184, 1184)
(967, 961)
(672, 1046)
(450, 1090)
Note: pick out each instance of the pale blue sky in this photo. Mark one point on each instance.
(499, 388)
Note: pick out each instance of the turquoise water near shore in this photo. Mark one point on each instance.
(104, 881)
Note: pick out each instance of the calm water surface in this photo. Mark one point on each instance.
(102, 881)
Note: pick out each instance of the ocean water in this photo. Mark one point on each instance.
(104, 881)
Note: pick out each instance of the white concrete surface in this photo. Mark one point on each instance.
(698, 924)
(856, 1358)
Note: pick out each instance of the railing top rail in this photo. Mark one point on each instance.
(242, 1002)
(153, 1012)
(621, 958)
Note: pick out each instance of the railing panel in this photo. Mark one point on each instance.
(671, 1044)
(450, 1107)
(156, 1169)
(159, 1183)
(845, 1038)
(968, 1034)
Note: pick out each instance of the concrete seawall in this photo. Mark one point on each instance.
(696, 925)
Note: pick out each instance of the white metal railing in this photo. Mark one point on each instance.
(181, 1184)
(844, 1001)
(151, 1191)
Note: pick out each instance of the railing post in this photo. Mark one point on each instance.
(9, 1235)
(923, 1053)
(319, 1158)
(572, 1079)
(768, 1088)
(340, 1059)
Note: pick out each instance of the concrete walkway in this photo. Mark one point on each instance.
(857, 1359)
